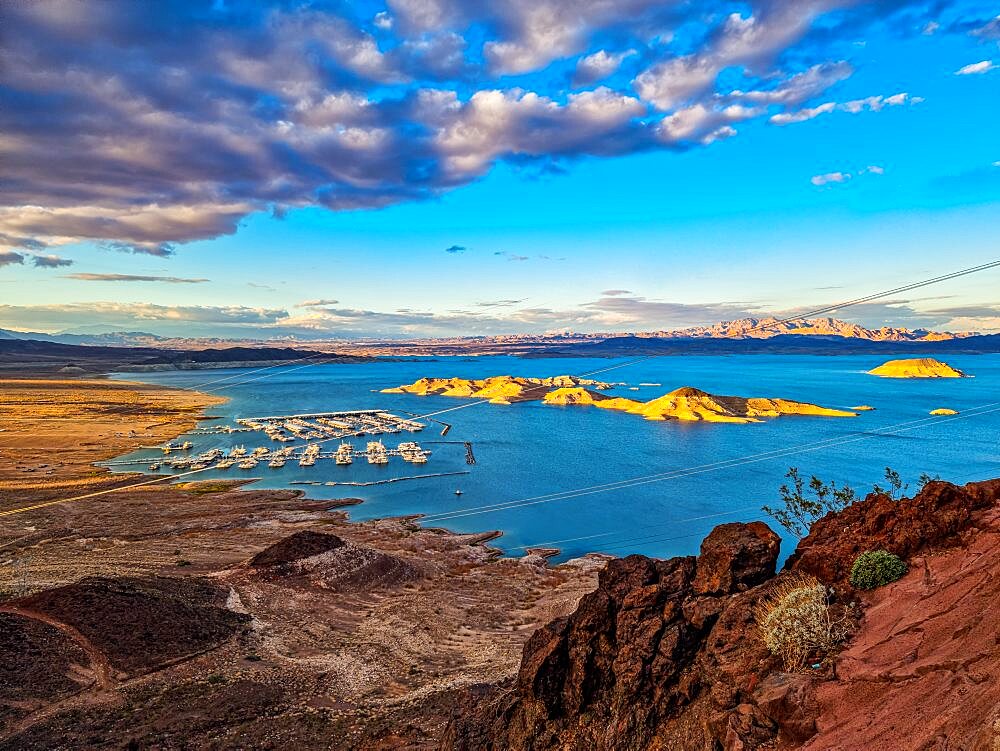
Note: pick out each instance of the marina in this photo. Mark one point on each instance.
(319, 425)
(376, 452)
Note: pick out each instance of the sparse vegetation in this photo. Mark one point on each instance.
(926, 478)
(876, 568)
(795, 621)
(895, 488)
(800, 510)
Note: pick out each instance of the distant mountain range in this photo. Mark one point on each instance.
(112, 339)
(765, 328)
(743, 335)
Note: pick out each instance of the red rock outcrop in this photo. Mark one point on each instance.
(652, 658)
(923, 673)
(664, 654)
(936, 517)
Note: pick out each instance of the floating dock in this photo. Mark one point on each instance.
(375, 453)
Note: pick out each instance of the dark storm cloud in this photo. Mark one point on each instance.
(146, 125)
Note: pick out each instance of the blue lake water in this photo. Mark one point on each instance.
(688, 477)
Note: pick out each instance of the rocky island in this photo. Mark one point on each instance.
(686, 404)
(497, 389)
(918, 367)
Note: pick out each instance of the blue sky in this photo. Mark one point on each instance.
(304, 168)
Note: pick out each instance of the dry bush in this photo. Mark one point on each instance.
(795, 621)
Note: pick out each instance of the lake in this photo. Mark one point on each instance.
(683, 478)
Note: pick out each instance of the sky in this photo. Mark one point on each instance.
(418, 168)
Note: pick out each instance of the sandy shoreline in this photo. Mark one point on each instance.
(371, 660)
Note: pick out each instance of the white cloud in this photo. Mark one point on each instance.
(972, 69)
(798, 88)
(843, 177)
(786, 118)
(599, 65)
(868, 104)
(749, 41)
(830, 177)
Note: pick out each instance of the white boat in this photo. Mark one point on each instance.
(248, 463)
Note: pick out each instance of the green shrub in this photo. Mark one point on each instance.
(876, 568)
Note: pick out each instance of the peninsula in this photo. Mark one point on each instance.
(686, 404)
(919, 367)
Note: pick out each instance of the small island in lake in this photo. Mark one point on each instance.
(919, 367)
(497, 389)
(686, 403)
(944, 411)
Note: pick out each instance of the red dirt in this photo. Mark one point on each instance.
(924, 670)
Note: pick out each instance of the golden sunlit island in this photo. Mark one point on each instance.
(686, 404)
(919, 367)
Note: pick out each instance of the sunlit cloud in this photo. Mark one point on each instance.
(133, 278)
(219, 112)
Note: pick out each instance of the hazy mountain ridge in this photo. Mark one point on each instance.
(743, 328)
(765, 328)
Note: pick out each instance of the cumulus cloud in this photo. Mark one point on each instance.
(85, 277)
(146, 130)
(794, 90)
(973, 69)
(598, 66)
